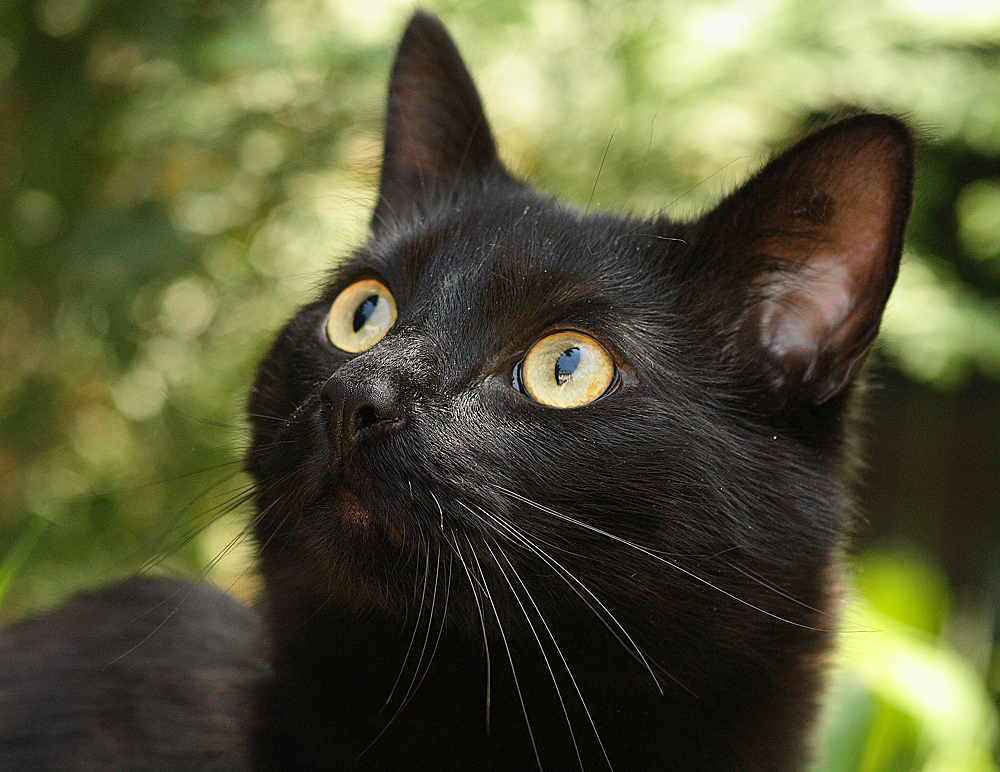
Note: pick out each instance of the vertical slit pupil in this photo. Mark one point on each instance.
(364, 312)
(566, 364)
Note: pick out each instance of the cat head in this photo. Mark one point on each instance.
(588, 410)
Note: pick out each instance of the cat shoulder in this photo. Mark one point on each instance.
(151, 674)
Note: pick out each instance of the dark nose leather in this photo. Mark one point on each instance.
(361, 398)
(379, 388)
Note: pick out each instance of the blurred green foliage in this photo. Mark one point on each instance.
(909, 692)
(176, 177)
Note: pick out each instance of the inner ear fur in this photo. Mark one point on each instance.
(822, 225)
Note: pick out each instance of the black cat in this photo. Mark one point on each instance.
(535, 489)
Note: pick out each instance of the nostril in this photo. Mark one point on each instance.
(362, 406)
(369, 415)
(361, 399)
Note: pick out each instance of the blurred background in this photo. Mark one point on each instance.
(176, 176)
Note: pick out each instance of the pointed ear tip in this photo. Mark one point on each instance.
(423, 23)
(424, 41)
(877, 128)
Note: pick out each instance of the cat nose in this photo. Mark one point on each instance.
(360, 400)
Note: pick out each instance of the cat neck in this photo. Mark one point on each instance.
(366, 692)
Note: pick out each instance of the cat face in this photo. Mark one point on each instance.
(447, 428)
(593, 416)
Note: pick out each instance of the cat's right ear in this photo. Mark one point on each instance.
(813, 244)
(436, 133)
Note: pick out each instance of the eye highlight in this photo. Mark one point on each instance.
(566, 370)
(361, 316)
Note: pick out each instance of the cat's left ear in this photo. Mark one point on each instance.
(436, 134)
(821, 230)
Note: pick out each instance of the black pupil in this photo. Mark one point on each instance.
(364, 312)
(566, 364)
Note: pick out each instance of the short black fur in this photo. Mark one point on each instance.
(458, 577)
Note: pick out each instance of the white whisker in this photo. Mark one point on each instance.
(482, 622)
(416, 629)
(569, 578)
(541, 647)
(510, 658)
(654, 556)
(562, 658)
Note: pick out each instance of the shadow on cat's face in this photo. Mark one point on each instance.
(594, 416)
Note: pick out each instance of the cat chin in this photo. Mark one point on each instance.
(354, 517)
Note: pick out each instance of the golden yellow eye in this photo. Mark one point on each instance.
(361, 316)
(567, 369)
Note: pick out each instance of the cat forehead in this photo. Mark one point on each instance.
(520, 257)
